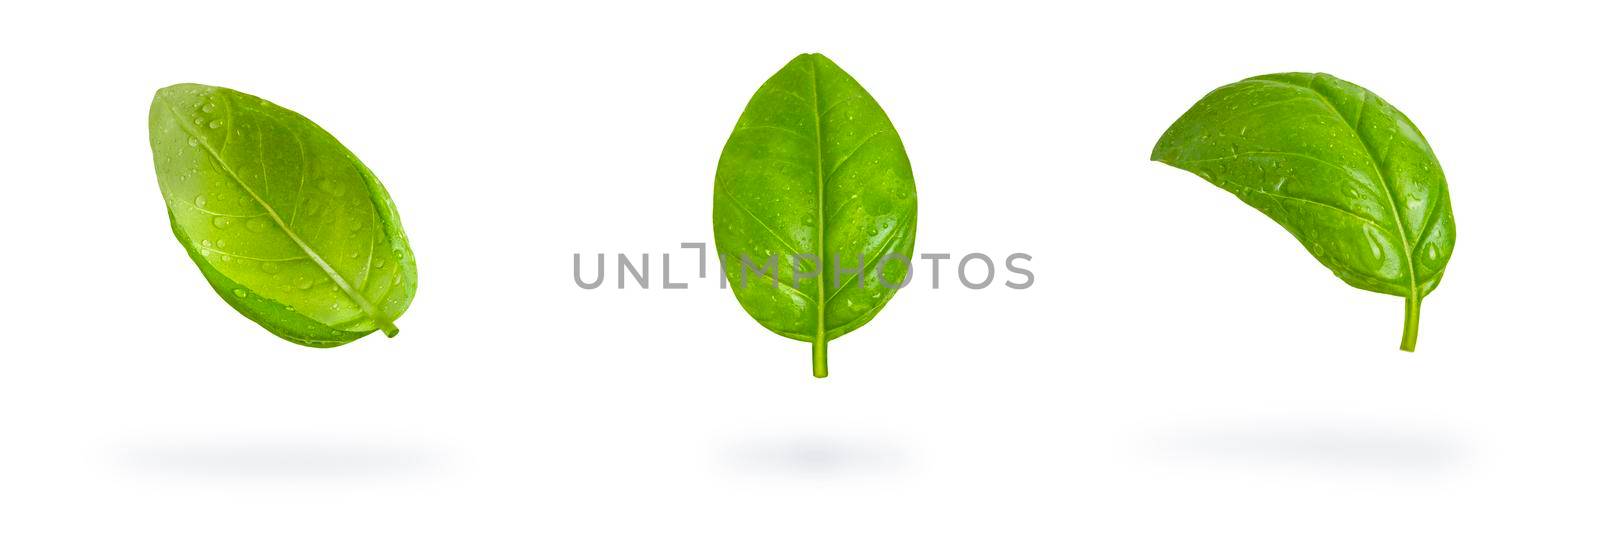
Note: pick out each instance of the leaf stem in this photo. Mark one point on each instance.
(1408, 340)
(819, 357)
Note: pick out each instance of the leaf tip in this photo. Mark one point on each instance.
(813, 58)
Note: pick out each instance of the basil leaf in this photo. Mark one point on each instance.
(283, 221)
(1345, 172)
(815, 176)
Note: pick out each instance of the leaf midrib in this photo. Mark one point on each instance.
(381, 321)
(1383, 180)
(822, 179)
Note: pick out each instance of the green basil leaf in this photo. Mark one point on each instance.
(815, 179)
(285, 223)
(1345, 172)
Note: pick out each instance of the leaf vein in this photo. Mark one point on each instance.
(888, 244)
(772, 127)
(763, 223)
(853, 152)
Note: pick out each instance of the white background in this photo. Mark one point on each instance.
(1181, 364)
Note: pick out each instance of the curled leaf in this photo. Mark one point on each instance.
(1338, 167)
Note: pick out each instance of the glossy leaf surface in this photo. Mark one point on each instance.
(815, 175)
(1338, 167)
(285, 223)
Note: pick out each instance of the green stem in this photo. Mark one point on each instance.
(819, 357)
(1408, 340)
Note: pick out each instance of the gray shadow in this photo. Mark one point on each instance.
(280, 460)
(812, 456)
(1344, 447)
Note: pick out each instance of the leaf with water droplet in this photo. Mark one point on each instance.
(812, 146)
(257, 163)
(1338, 167)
